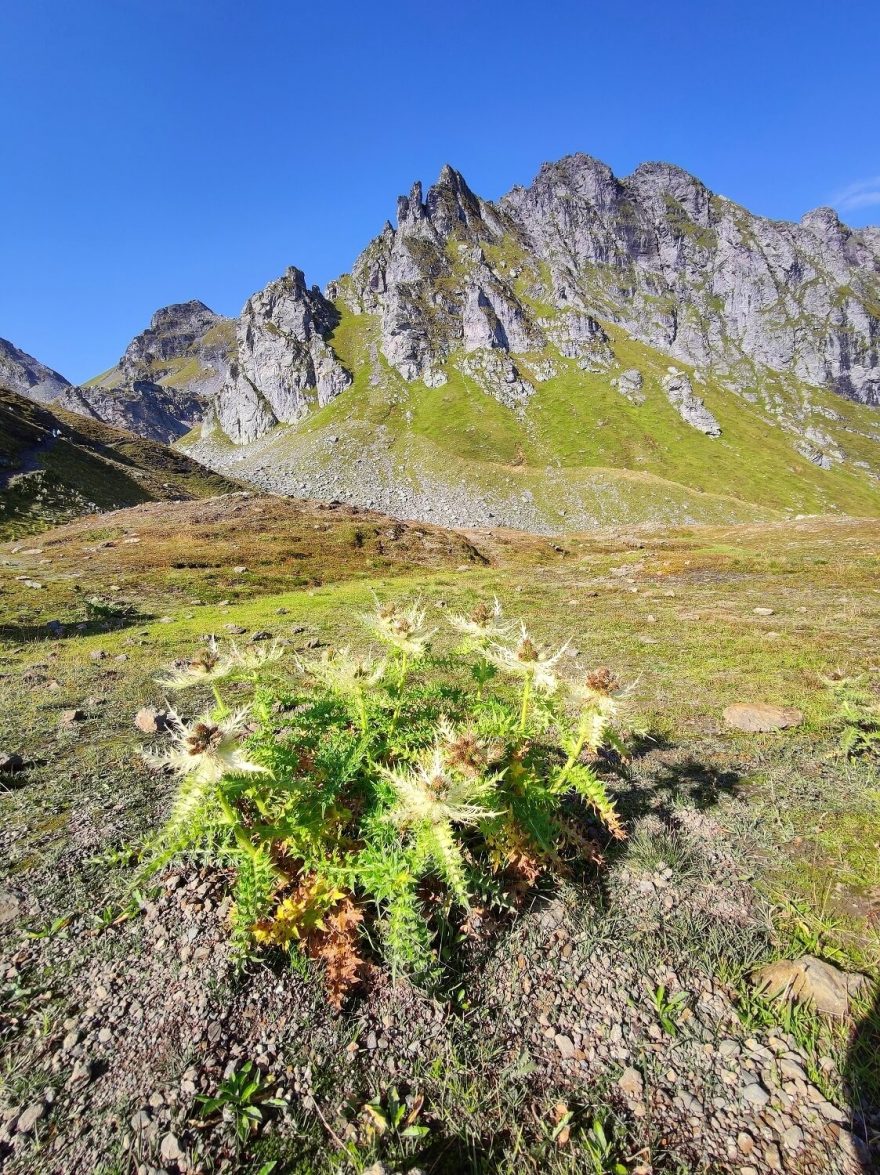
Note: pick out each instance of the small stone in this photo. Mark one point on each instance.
(140, 1121)
(82, 1071)
(764, 611)
(71, 717)
(371, 1041)
(745, 1142)
(234, 629)
(170, 1151)
(150, 721)
(772, 1158)
(756, 1095)
(97, 655)
(30, 1117)
(792, 1139)
(565, 1046)
(831, 1112)
(791, 1070)
(760, 718)
(70, 1041)
(631, 1084)
(261, 636)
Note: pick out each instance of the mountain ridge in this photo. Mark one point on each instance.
(637, 323)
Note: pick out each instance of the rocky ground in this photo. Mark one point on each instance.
(614, 1021)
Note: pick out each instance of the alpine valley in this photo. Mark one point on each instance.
(587, 351)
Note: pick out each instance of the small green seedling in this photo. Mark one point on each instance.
(669, 1008)
(244, 1096)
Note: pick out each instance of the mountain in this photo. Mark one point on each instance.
(167, 376)
(162, 384)
(55, 466)
(586, 350)
(29, 377)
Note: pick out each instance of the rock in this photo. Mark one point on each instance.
(758, 717)
(10, 763)
(160, 385)
(9, 907)
(690, 407)
(763, 611)
(30, 1117)
(755, 1095)
(72, 717)
(745, 1142)
(263, 635)
(630, 384)
(170, 1151)
(22, 373)
(150, 721)
(809, 980)
(792, 1139)
(282, 354)
(565, 1045)
(631, 1085)
(772, 1158)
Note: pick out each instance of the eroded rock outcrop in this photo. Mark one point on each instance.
(283, 361)
(692, 410)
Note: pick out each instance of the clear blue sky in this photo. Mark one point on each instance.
(160, 150)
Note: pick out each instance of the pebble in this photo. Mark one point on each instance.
(30, 1117)
(745, 1142)
(756, 1095)
(565, 1045)
(170, 1150)
(631, 1084)
(792, 1138)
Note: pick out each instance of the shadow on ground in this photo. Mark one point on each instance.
(862, 1077)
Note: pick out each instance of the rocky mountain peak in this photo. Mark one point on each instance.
(22, 373)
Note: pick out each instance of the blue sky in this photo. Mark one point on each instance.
(160, 150)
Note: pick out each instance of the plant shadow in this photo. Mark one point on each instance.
(861, 1076)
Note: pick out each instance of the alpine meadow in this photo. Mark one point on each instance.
(440, 705)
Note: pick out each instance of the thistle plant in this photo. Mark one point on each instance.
(372, 806)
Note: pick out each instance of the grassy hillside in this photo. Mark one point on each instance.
(578, 455)
(620, 993)
(89, 466)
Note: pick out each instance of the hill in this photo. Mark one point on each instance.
(56, 465)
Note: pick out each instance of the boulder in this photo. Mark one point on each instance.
(812, 981)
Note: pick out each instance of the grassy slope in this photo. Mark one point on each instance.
(581, 447)
(91, 466)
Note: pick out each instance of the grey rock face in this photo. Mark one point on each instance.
(629, 383)
(701, 278)
(431, 285)
(691, 408)
(283, 360)
(167, 376)
(496, 373)
(145, 408)
(24, 374)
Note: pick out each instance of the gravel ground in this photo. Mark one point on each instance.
(120, 1031)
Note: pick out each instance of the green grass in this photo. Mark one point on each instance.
(92, 466)
(580, 447)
